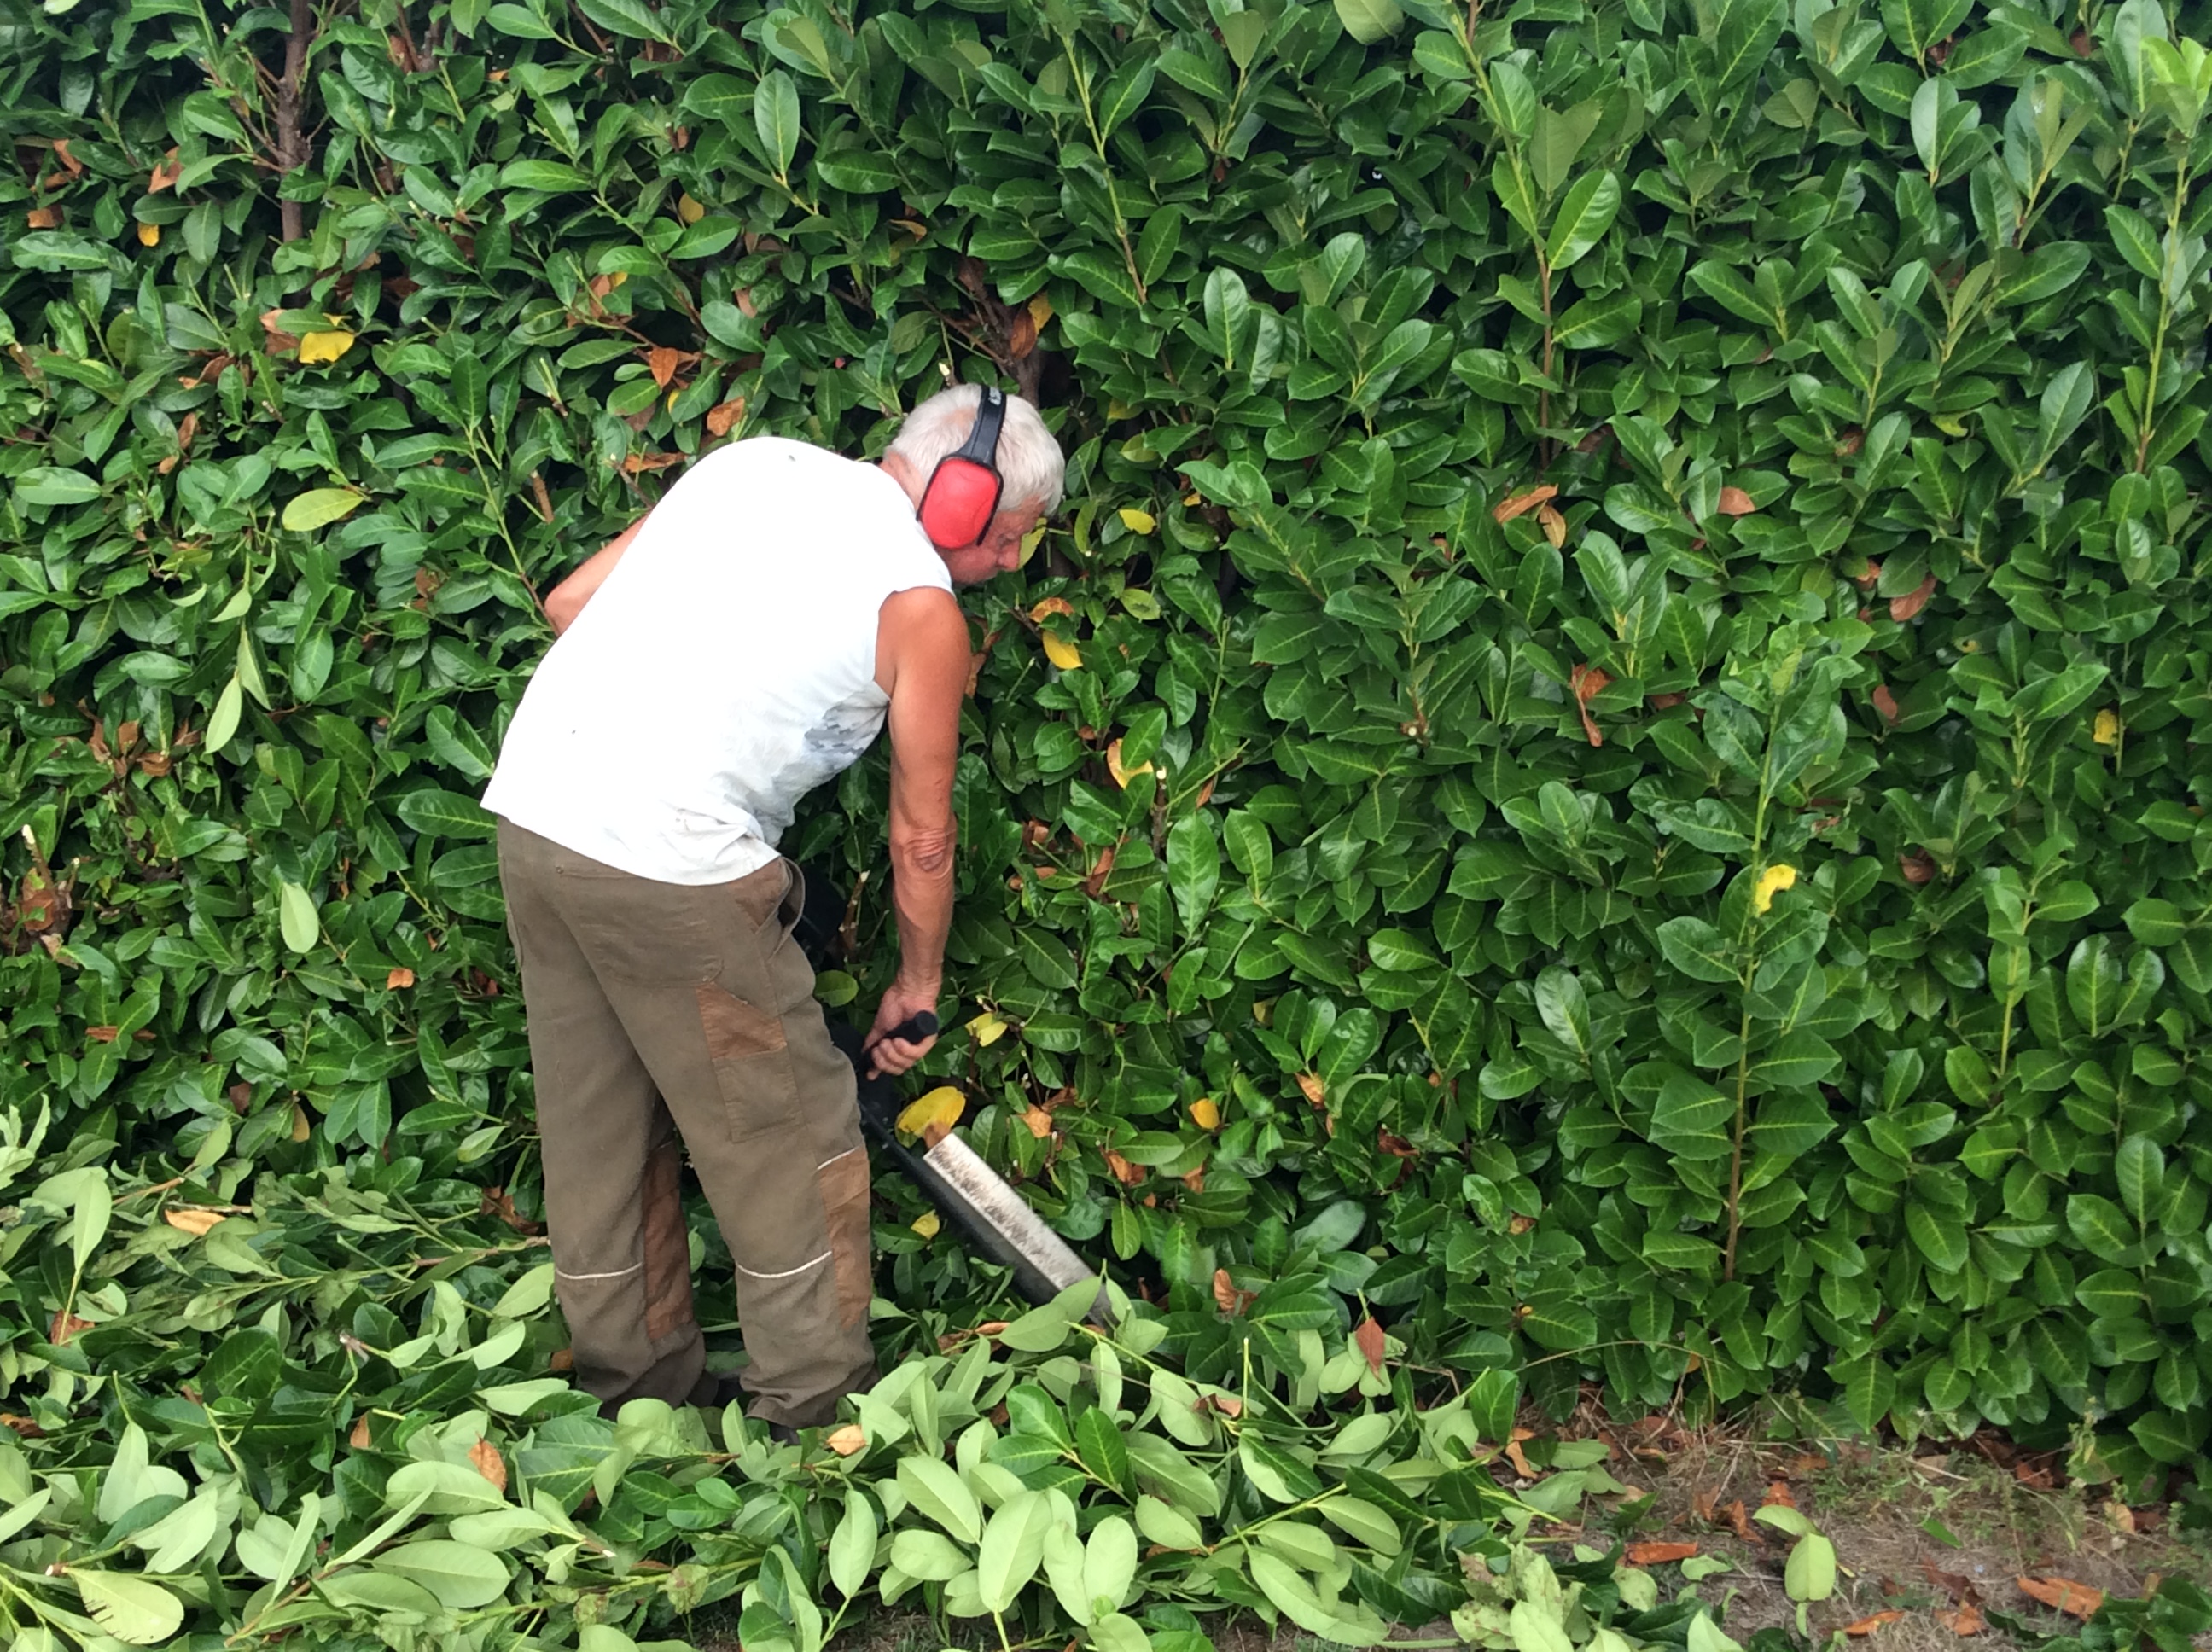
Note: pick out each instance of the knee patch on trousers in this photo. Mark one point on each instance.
(844, 1184)
(668, 1306)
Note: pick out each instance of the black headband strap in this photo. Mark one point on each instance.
(982, 445)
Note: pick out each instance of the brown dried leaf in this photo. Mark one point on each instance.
(165, 173)
(1957, 1585)
(1553, 523)
(1394, 1145)
(1521, 504)
(274, 337)
(399, 979)
(64, 1326)
(1126, 1173)
(62, 154)
(1868, 1625)
(1917, 865)
(1022, 335)
(489, 1464)
(497, 1201)
(21, 1426)
(723, 417)
(1886, 703)
(1739, 1520)
(1369, 1336)
(1777, 1497)
(1737, 502)
(1902, 608)
(1658, 1554)
(846, 1441)
(191, 1219)
(1588, 682)
(1966, 1620)
(2064, 1594)
(1310, 1086)
(102, 1035)
(1706, 1505)
(564, 1359)
(1230, 1300)
(1039, 1122)
(359, 1439)
(43, 217)
(1049, 606)
(1514, 1454)
(661, 362)
(637, 464)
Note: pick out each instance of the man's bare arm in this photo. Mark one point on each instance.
(567, 599)
(922, 650)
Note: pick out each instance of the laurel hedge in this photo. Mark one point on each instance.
(1599, 772)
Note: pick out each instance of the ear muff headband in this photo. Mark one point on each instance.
(963, 495)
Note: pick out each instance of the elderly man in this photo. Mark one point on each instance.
(731, 652)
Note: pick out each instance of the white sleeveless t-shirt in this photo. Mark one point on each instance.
(725, 668)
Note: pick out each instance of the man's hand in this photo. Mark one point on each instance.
(901, 1004)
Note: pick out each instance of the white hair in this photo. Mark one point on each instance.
(1029, 459)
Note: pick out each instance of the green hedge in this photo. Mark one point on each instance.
(1611, 715)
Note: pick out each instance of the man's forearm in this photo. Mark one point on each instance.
(921, 893)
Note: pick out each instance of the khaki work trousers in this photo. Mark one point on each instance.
(660, 1012)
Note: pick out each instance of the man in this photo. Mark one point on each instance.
(734, 649)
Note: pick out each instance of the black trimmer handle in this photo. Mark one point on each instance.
(879, 1096)
(915, 1028)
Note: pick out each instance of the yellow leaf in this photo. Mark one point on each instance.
(618, 278)
(1204, 1115)
(1122, 776)
(149, 234)
(190, 1220)
(1062, 654)
(1137, 521)
(1774, 878)
(987, 1029)
(1192, 498)
(926, 1224)
(1040, 311)
(301, 1128)
(847, 1440)
(1118, 409)
(941, 1106)
(1030, 541)
(320, 347)
(689, 209)
(2108, 727)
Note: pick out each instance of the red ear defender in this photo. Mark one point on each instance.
(963, 495)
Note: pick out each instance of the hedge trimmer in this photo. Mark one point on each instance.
(952, 1176)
